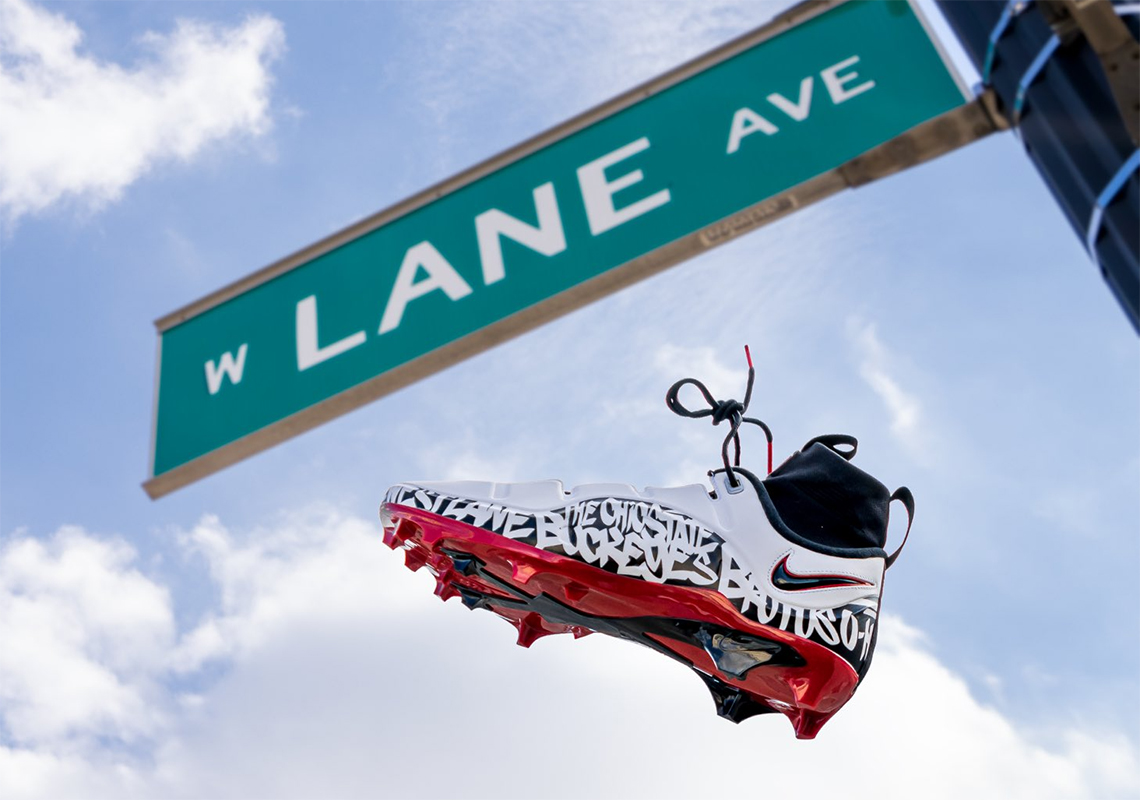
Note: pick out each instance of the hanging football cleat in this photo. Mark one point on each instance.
(768, 588)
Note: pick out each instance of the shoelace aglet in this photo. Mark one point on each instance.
(748, 355)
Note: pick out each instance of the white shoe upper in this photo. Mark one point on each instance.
(724, 541)
(823, 584)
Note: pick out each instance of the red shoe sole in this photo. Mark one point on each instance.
(543, 593)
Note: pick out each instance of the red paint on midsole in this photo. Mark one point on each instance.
(823, 685)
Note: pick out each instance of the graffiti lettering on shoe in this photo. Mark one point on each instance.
(647, 540)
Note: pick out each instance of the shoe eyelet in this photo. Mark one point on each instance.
(728, 487)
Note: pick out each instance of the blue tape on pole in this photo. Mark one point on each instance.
(1032, 72)
(1011, 10)
(1106, 196)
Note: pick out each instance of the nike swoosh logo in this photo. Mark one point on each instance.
(783, 578)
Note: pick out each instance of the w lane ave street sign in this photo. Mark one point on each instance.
(667, 170)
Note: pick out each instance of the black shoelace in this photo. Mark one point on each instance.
(721, 410)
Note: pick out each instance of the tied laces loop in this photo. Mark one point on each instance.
(721, 410)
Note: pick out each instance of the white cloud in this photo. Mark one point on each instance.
(466, 458)
(706, 365)
(626, 42)
(475, 52)
(84, 632)
(874, 367)
(316, 565)
(344, 677)
(74, 127)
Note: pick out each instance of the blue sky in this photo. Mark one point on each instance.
(249, 636)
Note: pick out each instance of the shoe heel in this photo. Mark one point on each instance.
(808, 723)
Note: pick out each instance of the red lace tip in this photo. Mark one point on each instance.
(748, 355)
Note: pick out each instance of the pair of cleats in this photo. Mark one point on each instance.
(768, 588)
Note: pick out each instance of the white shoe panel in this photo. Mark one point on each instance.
(747, 529)
(531, 496)
(738, 518)
(590, 491)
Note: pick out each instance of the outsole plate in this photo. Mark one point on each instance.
(749, 668)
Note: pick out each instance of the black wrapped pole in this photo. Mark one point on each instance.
(1065, 75)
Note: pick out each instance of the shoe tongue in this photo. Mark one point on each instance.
(826, 499)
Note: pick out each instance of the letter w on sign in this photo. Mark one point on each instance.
(227, 366)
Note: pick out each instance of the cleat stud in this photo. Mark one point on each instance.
(725, 707)
(399, 533)
(733, 709)
(530, 629)
(807, 723)
(471, 599)
(405, 530)
(441, 569)
(442, 584)
(740, 707)
(743, 707)
(731, 703)
(575, 591)
(445, 590)
(414, 558)
(722, 695)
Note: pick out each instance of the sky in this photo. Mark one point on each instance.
(250, 636)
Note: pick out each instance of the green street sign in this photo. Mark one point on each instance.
(656, 175)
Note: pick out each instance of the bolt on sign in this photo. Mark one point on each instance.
(648, 179)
